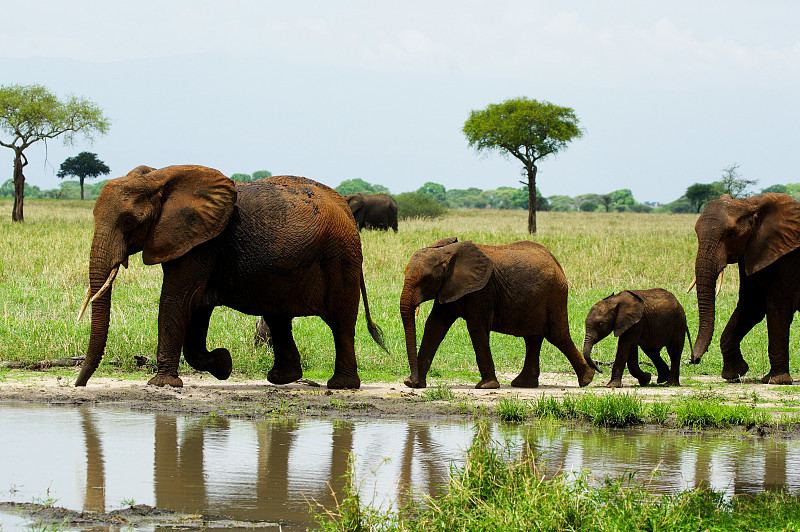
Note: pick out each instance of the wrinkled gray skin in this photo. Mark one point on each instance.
(373, 211)
(517, 288)
(650, 319)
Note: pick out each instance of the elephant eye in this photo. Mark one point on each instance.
(128, 222)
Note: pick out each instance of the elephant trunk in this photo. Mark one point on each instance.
(588, 343)
(706, 272)
(409, 301)
(102, 267)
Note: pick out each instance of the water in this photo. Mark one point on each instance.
(101, 459)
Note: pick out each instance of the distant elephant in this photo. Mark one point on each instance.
(762, 234)
(518, 289)
(650, 319)
(279, 247)
(377, 211)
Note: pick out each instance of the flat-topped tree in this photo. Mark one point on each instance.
(30, 113)
(84, 166)
(526, 129)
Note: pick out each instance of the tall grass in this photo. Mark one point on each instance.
(43, 278)
(500, 489)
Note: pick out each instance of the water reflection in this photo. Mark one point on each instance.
(97, 459)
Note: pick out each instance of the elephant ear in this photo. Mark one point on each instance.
(630, 310)
(141, 170)
(776, 231)
(356, 202)
(444, 242)
(196, 204)
(468, 271)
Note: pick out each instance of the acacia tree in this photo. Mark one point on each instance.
(701, 193)
(85, 165)
(733, 183)
(525, 129)
(30, 113)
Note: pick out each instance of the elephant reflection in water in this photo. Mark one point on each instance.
(421, 445)
(94, 499)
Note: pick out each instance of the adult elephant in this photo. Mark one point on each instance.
(518, 289)
(762, 235)
(279, 247)
(373, 210)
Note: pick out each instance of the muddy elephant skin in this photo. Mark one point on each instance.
(518, 289)
(762, 235)
(278, 248)
(373, 211)
(650, 319)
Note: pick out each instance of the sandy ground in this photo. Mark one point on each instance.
(256, 398)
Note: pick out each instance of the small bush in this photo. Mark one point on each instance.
(414, 205)
(442, 392)
(513, 409)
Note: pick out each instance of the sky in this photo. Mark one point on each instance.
(668, 93)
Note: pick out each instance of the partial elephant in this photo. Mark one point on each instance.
(762, 235)
(650, 319)
(518, 289)
(370, 211)
(279, 247)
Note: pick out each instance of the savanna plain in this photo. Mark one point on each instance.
(43, 279)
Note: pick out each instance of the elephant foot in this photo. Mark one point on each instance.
(644, 380)
(341, 382)
(487, 384)
(672, 382)
(221, 363)
(525, 382)
(418, 384)
(283, 377)
(780, 378)
(166, 380)
(586, 378)
(614, 383)
(734, 370)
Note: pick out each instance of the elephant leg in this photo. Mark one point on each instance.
(625, 347)
(217, 362)
(287, 367)
(479, 333)
(674, 351)
(778, 323)
(529, 376)
(560, 338)
(436, 327)
(181, 291)
(746, 316)
(661, 367)
(635, 370)
(345, 369)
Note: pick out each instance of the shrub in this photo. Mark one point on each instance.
(414, 205)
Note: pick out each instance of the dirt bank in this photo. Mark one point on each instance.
(258, 398)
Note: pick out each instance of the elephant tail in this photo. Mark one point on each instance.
(373, 328)
(689, 336)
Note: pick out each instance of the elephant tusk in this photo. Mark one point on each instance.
(107, 284)
(694, 282)
(85, 303)
(719, 281)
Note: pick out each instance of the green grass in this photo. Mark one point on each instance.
(513, 409)
(43, 278)
(501, 489)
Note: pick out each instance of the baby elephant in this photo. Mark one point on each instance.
(650, 319)
(518, 289)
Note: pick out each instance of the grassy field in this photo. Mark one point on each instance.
(43, 278)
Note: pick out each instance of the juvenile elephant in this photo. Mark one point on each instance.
(650, 319)
(373, 210)
(516, 288)
(279, 247)
(762, 235)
